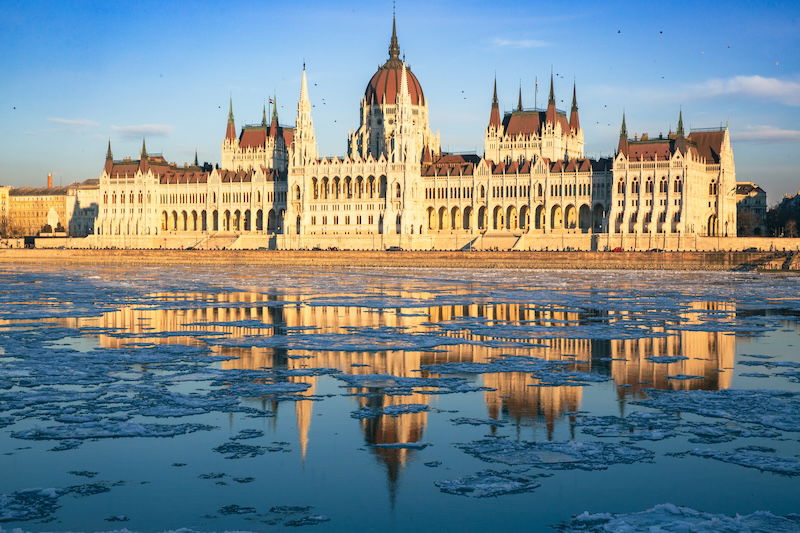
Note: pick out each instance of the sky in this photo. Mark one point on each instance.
(74, 75)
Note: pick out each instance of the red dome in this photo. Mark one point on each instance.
(386, 82)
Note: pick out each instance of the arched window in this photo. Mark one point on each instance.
(621, 187)
(397, 192)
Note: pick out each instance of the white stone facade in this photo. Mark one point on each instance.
(396, 188)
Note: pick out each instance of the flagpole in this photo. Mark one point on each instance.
(536, 93)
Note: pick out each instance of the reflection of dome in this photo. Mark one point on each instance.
(386, 82)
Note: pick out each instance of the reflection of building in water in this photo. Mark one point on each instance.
(514, 396)
(710, 353)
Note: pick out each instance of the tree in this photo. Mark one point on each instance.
(790, 230)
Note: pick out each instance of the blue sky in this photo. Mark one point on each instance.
(75, 74)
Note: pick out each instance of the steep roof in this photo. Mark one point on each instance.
(530, 122)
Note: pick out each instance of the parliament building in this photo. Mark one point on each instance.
(533, 187)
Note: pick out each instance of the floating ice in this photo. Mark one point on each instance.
(666, 359)
(108, 430)
(774, 409)
(669, 517)
(237, 450)
(478, 421)
(489, 483)
(556, 455)
(752, 459)
(390, 410)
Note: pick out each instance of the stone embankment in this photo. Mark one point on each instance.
(744, 261)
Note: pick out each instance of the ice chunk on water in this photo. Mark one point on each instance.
(753, 459)
(489, 483)
(556, 455)
(28, 504)
(774, 409)
(666, 359)
(390, 410)
(636, 426)
(108, 430)
(237, 450)
(669, 517)
(477, 421)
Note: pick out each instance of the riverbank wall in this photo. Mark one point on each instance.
(744, 261)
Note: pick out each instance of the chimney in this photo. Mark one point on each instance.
(49, 180)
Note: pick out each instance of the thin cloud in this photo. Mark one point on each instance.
(764, 134)
(74, 122)
(783, 91)
(142, 130)
(519, 43)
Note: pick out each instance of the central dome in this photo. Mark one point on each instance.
(386, 81)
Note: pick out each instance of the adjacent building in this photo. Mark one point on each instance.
(751, 209)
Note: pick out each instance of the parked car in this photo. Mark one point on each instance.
(618, 249)
(394, 249)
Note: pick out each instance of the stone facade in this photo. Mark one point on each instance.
(532, 188)
(679, 184)
(751, 209)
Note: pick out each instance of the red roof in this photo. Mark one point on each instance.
(708, 144)
(386, 82)
(649, 150)
(253, 137)
(530, 122)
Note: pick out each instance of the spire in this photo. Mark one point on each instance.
(680, 131)
(550, 116)
(519, 100)
(144, 164)
(394, 47)
(109, 159)
(494, 115)
(275, 103)
(305, 142)
(622, 147)
(230, 131)
(574, 122)
(303, 86)
(404, 95)
(196, 163)
(264, 115)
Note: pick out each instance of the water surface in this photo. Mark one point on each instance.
(217, 397)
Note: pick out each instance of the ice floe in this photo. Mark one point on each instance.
(669, 517)
(556, 455)
(489, 483)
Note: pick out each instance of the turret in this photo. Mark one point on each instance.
(494, 115)
(305, 142)
(109, 159)
(230, 132)
(144, 163)
(550, 115)
(574, 122)
(273, 128)
(622, 147)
